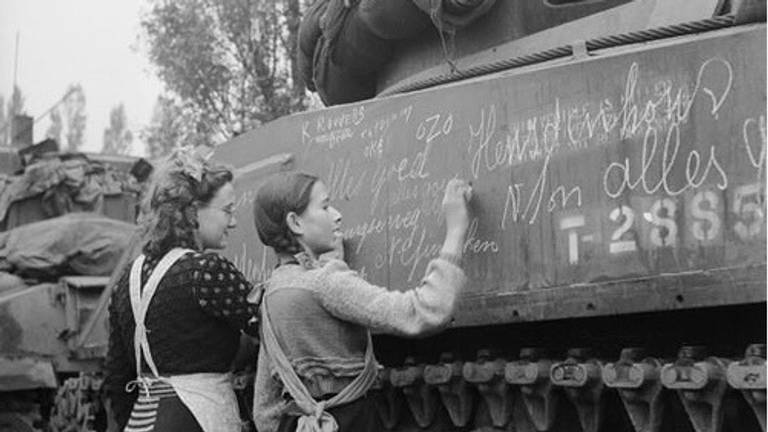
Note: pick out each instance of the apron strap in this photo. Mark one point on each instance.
(315, 418)
(140, 300)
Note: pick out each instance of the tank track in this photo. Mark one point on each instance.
(609, 374)
(576, 392)
(77, 406)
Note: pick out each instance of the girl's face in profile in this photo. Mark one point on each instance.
(319, 226)
(217, 218)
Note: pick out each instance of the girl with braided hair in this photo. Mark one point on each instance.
(316, 361)
(177, 311)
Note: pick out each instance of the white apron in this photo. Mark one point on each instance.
(209, 396)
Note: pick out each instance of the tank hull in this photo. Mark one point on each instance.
(626, 181)
(618, 231)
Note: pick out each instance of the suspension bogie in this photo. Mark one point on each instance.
(577, 391)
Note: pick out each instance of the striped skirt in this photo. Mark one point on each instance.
(159, 409)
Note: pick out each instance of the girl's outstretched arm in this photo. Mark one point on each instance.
(427, 307)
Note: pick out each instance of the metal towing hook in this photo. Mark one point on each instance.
(420, 397)
(531, 373)
(636, 377)
(748, 376)
(488, 377)
(579, 376)
(457, 396)
(700, 384)
(388, 404)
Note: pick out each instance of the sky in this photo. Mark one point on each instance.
(91, 42)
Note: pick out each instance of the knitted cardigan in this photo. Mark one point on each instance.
(321, 315)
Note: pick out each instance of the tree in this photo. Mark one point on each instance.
(4, 123)
(117, 137)
(74, 112)
(227, 61)
(56, 126)
(172, 125)
(15, 107)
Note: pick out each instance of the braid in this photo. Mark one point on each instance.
(286, 242)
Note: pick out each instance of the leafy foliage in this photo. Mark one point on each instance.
(56, 126)
(228, 65)
(172, 125)
(117, 137)
(15, 107)
(74, 113)
(3, 121)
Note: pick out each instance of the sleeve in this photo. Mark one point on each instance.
(427, 307)
(222, 291)
(119, 366)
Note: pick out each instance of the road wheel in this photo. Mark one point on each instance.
(76, 405)
(15, 422)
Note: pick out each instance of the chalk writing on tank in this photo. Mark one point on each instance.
(634, 178)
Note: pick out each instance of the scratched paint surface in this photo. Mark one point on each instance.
(633, 165)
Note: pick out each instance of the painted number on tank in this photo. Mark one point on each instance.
(650, 224)
(625, 216)
(662, 216)
(748, 201)
(706, 224)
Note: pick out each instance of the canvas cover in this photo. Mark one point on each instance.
(74, 244)
(60, 186)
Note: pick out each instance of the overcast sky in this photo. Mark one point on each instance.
(92, 42)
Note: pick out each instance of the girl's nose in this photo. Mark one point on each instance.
(232, 222)
(337, 216)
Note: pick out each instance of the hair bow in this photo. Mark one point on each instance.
(191, 160)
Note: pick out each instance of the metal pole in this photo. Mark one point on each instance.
(16, 61)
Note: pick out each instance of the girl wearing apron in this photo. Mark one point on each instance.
(177, 312)
(316, 361)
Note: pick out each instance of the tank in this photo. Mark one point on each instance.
(53, 318)
(616, 255)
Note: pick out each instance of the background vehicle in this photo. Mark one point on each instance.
(66, 219)
(617, 258)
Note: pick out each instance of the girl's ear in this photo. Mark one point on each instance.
(294, 223)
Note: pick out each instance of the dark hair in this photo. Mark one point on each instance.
(173, 197)
(279, 195)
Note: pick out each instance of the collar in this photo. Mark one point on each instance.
(302, 258)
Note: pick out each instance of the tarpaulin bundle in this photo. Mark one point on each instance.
(309, 33)
(10, 281)
(345, 55)
(344, 43)
(74, 244)
(453, 14)
(393, 19)
(65, 186)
